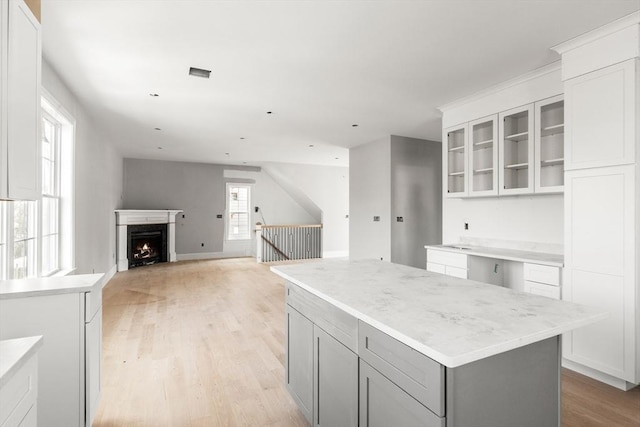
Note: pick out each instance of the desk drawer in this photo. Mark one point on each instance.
(339, 324)
(447, 258)
(542, 274)
(415, 373)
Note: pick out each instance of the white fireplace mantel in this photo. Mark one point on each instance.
(125, 217)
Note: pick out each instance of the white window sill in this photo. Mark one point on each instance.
(62, 273)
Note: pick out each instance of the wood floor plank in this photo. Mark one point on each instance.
(201, 343)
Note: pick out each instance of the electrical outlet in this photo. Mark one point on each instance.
(399, 219)
(202, 244)
(376, 218)
(466, 225)
(219, 216)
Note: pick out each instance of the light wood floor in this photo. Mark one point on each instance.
(201, 344)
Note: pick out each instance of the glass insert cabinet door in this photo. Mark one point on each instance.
(483, 156)
(549, 148)
(516, 150)
(455, 161)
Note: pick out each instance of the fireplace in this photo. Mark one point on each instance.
(145, 237)
(146, 244)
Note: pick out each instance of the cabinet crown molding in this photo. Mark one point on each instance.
(598, 33)
(531, 75)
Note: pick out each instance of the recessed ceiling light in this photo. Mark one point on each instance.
(244, 163)
(354, 125)
(159, 148)
(157, 129)
(337, 158)
(199, 72)
(311, 145)
(226, 154)
(242, 137)
(269, 112)
(154, 95)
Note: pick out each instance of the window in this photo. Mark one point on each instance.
(24, 239)
(238, 214)
(50, 204)
(3, 241)
(36, 238)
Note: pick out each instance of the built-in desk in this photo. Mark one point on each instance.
(538, 273)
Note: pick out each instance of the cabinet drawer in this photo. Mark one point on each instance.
(415, 373)
(18, 395)
(436, 268)
(342, 326)
(456, 272)
(447, 258)
(542, 289)
(92, 302)
(542, 274)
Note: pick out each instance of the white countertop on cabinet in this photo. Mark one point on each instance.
(14, 353)
(20, 288)
(453, 321)
(554, 260)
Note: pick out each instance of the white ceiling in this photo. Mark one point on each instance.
(319, 66)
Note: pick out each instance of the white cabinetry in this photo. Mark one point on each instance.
(483, 157)
(542, 280)
(19, 382)
(602, 203)
(70, 323)
(516, 150)
(601, 108)
(549, 145)
(455, 160)
(20, 64)
(448, 263)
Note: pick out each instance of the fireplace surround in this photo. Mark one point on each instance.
(136, 228)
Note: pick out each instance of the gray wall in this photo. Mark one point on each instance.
(369, 196)
(196, 188)
(416, 195)
(98, 182)
(392, 177)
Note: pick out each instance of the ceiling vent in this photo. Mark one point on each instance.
(199, 72)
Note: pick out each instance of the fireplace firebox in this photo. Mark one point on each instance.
(147, 244)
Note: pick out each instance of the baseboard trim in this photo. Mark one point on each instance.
(108, 275)
(211, 255)
(597, 375)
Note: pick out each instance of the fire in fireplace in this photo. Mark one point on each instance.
(147, 244)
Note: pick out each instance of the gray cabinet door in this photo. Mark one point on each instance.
(384, 404)
(299, 361)
(336, 382)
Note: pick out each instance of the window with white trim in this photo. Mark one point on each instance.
(50, 203)
(25, 234)
(238, 212)
(36, 238)
(4, 255)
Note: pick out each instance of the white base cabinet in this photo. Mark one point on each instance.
(70, 357)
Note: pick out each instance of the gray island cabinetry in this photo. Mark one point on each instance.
(372, 343)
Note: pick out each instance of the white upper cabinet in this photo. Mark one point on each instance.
(601, 118)
(516, 150)
(483, 156)
(20, 64)
(549, 145)
(455, 161)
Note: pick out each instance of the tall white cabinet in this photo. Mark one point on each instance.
(20, 65)
(601, 74)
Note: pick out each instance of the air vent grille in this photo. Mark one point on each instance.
(199, 72)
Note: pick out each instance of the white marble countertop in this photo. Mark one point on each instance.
(20, 288)
(453, 321)
(14, 353)
(554, 260)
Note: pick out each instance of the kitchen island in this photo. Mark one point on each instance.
(374, 343)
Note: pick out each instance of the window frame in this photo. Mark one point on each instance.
(55, 194)
(228, 213)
